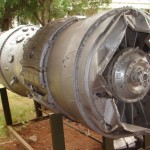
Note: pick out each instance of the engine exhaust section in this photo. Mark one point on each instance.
(95, 71)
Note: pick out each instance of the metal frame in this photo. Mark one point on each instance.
(37, 109)
(147, 142)
(56, 123)
(108, 144)
(6, 107)
(57, 132)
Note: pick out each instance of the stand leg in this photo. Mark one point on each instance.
(147, 142)
(57, 131)
(6, 107)
(37, 107)
(108, 144)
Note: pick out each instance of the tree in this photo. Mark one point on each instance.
(43, 11)
(8, 10)
(82, 7)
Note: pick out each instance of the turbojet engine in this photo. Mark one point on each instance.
(95, 71)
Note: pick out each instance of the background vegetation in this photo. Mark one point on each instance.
(43, 11)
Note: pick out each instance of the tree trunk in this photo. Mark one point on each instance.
(50, 10)
(6, 23)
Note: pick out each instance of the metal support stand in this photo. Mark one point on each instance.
(57, 132)
(6, 107)
(107, 144)
(147, 142)
(37, 109)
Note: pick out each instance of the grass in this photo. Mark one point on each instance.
(22, 110)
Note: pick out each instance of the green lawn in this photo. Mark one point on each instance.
(22, 110)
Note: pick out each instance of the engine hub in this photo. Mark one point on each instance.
(129, 75)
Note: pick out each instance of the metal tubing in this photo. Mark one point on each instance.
(57, 132)
(6, 107)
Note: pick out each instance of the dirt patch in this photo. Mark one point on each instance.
(41, 133)
(73, 139)
(10, 145)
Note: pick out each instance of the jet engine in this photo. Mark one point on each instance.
(95, 71)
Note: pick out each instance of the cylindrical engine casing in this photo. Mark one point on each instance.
(11, 51)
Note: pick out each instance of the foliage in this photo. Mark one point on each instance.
(8, 10)
(43, 11)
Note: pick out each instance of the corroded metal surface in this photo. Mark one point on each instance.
(95, 71)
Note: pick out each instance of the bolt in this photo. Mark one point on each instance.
(6, 68)
(108, 127)
(145, 77)
(19, 39)
(32, 28)
(25, 29)
(10, 58)
(13, 81)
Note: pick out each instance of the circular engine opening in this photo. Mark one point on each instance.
(129, 75)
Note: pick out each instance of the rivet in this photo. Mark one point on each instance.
(6, 68)
(25, 29)
(19, 39)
